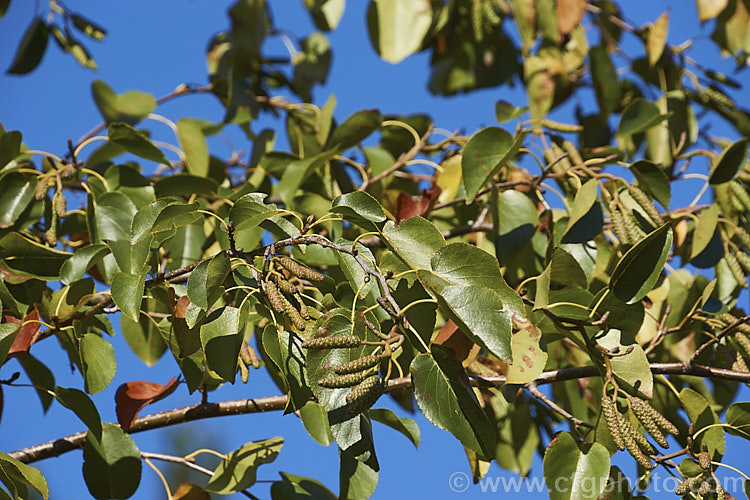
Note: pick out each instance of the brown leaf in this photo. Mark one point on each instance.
(708, 9)
(132, 397)
(25, 337)
(657, 38)
(569, 14)
(189, 491)
(451, 337)
(407, 207)
(188, 340)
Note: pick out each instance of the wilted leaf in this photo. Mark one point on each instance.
(132, 397)
(528, 356)
(29, 327)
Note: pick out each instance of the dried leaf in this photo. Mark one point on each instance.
(25, 337)
(132, 397)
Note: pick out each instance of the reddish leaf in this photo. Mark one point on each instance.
(569, 14)
(22, 343)
(188, 340)
(131, 397)
(189, 491)
(407, 207)
(455, 341)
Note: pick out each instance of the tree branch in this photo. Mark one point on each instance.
(405, 157)
(275, 403)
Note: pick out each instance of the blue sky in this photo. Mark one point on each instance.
(154, 46)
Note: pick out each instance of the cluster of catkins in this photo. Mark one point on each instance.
(624, 223)
(278, 290)
(366, 385)
(737, 341)
(626, 436)
(704, 484)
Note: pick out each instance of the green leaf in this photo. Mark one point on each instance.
(16, 191)
(414, 240)
(88, 28)
(730, 162)
(639, 116)
(705, 227)
(221, 341)
(445, 397)
(528, 356)
(293, 487)
(250, 211)
(298, 171)
(632, 369)
(144, 336)
(606, 83)
(515, 220)
(357, 478)
(355, 129)
(24, 474)
(114, 213)
(184, 184)
(26, 259)
(586, 217)
(238, 470)
(10, 146)
(81, 261)
(505, 111)
(397, 27)
(193, 143)
(572, 473)
(484, 155)
(479, 312)
(129, 107)
(41, 377)
(405, 426)
(326, 13)
(701, 414)
(98, 363)
(205, 284)
(135, 142)
(738, 416)
(467, 265)
(358, 280)
(80, 404)
(637, 271)
(31, 49)
(315, 420)
(69, 299)
(564, 270)
(112, 464)
(127, 292)
(8, 333)
(653, 181)
(357, 207)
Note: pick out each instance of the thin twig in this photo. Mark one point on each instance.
(534, 390)
(702, 348)
(402, 159)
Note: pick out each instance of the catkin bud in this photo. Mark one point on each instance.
(476, 21)
(646, 415)
(285, 286)
(734, 267)
(730, 318)
(645, 202)
(720, 493)
(490, 14)
(704, 489)
(718, 98)
(60, 203)
(744, 260)
(299, 270)
(358, 364)
(293, 314)
(743, 236)
(635, 233)
(274, 297)
(743, 342)
(560, 127)
(643, 443)
(249, 356)
(618, 223)
(660, 419)
(333, 342)
(573, 153)
(244, 372)
(628, 437)
(68, 170)
(740, 193)
(41, 189)
(339, 381)
(302, 307)
(611, 417)
(364, 395)
(690, 484)
(704, 460)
